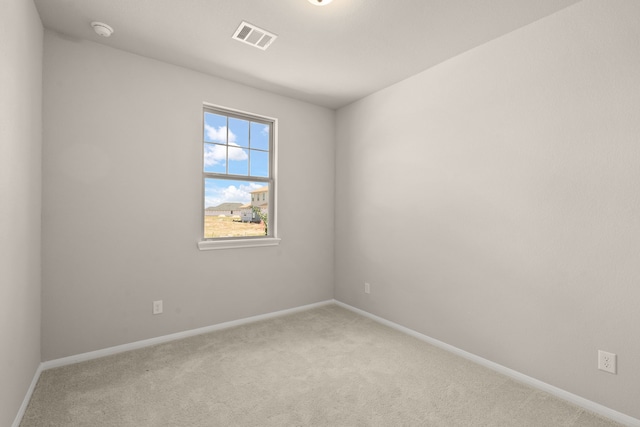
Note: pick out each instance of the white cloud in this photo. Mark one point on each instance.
(239, 194)
(217, 154)
(218, 135)
(237, 153)
(214, 154)
(231, 194)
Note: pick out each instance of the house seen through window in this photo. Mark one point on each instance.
(237, 175)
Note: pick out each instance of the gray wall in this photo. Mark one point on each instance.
(123, 139)
(20, 190)
(520, 162)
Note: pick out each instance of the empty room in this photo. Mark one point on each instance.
(319, 212)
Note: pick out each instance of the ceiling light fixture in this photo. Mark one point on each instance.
(102, 29)
(320, 2)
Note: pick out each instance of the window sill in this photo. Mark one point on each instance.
(210, 245)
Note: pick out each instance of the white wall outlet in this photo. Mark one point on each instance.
(367, 288)
(607, 361)
(157, 307)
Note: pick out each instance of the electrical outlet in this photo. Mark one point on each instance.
(367, 288)
(607, 361)
(157, 307)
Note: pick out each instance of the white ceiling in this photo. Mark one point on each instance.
(330, 55)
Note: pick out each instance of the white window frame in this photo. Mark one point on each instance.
(272, 239)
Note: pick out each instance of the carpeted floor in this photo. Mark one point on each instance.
(322, 367)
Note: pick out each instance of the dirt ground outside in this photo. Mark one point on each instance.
(215, 226)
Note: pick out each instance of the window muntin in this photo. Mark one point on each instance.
(237, 175)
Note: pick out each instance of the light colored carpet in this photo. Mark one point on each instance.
(325, 367)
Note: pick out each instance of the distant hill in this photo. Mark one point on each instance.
(225, 207)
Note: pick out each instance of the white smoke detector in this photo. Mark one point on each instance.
(102, 29)
(320, 2)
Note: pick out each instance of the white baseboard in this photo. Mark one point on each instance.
(562, 394)
(555, 391)
(172, 337)
(27, 397)
(56, 363)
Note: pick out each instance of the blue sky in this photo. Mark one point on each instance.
(238, 149)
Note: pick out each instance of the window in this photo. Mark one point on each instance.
(238, 179)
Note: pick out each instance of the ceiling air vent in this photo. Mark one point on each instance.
(256, 37)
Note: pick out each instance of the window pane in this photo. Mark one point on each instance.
(260, 136)
(215, 158)
(229, 210)
(236, 149)
(238, 161)
(239, 132)
(259, 163)
(215, 128)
